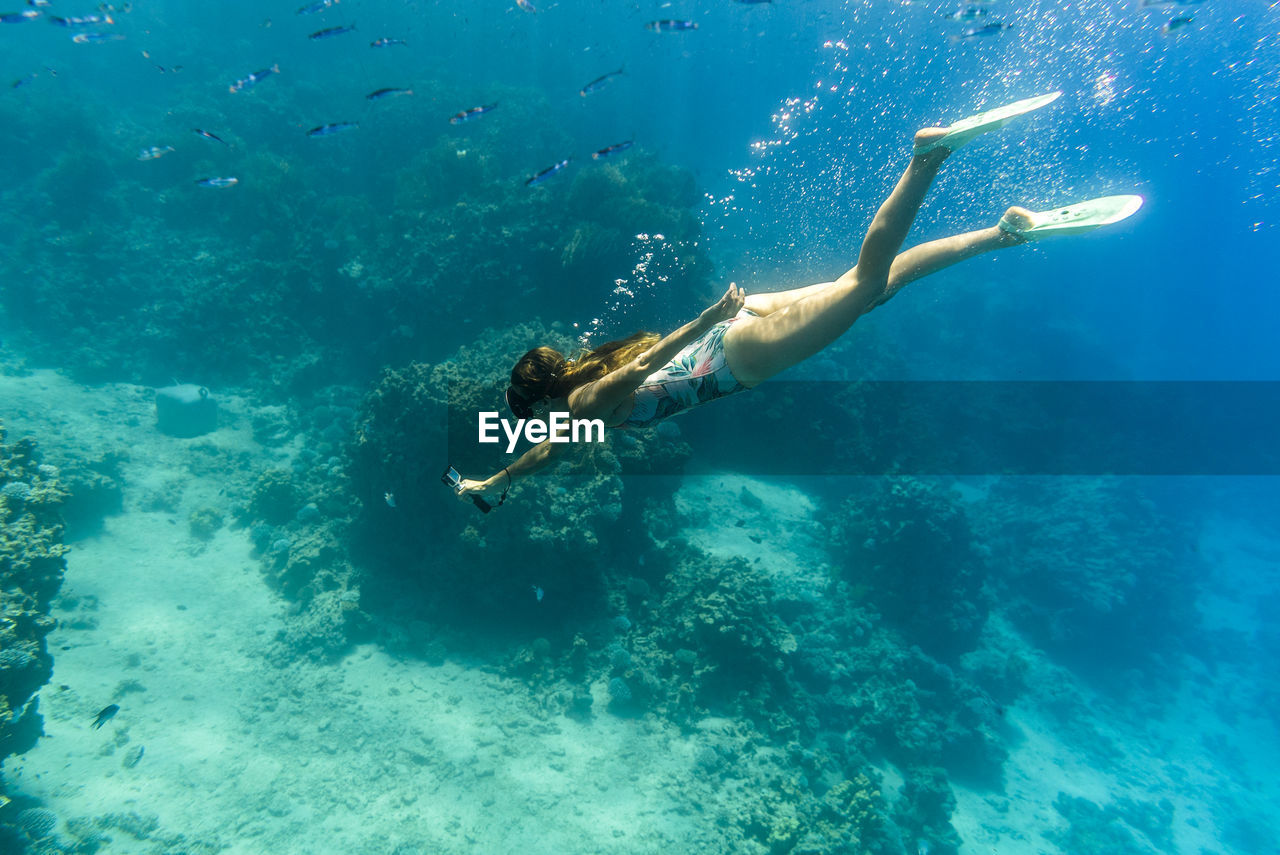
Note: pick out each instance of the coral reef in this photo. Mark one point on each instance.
(855, 676)
(139, 832)
(686, 637)
(1086, 567)
(298, 522)
(1092, 828)
(95, 490)
(907, 545)
(297, 517)
(808, 807)
(204, 523)
(840, 675)
(724, 614)
(290, 288)
(31, 569)
(273, 498)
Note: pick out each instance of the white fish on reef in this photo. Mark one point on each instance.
(318, 6)
(246, 83)
(538, 592)
(96, 38)
(389, 92)
(390, 499)
(332, 128)
(548, 172)
(599, 83)
(469, 114)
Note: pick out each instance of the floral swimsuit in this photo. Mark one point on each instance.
(697, 374)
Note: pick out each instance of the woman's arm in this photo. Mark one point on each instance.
(531, 461)
(600, 398)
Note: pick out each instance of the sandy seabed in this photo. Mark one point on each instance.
(215, 746)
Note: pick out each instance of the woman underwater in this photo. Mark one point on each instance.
(742, 340)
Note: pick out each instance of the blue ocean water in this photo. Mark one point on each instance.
(973, 662)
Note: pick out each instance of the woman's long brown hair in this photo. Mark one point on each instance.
(545, 373)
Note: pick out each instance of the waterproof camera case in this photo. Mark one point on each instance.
(453, 479)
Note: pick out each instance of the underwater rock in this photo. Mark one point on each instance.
(722, 612)
(298, 520)
(96, 490)
(16, 492)
(133, 756)
(619, 693)
(580, 705)
(1094, 829)
(637, 589)
(141, 826)
(309, 512)
(270, 426)
(578, 658)
(531, 663)
(204, 523)
(320, 630)
(619, 657)
(186, 410)
(926, 805)
(851, 817)
(308, 562)
(1086, 567)
(273, 498)
(908, 550)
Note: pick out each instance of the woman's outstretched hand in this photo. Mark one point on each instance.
(728, 306)
(467, 488)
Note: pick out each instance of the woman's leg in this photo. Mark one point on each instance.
(771, 301)
(928, 258)
(758, 348)
(910, 265)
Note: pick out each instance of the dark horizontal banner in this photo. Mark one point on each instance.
(980, 428)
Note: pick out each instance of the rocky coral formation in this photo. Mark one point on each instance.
(1125, 828)
(1087, 567)
(854, 676)
(31, 568)
(95, 490)
(718, 626)
(296, 513)
(698, 640)
(906, 545)
(298, 521)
